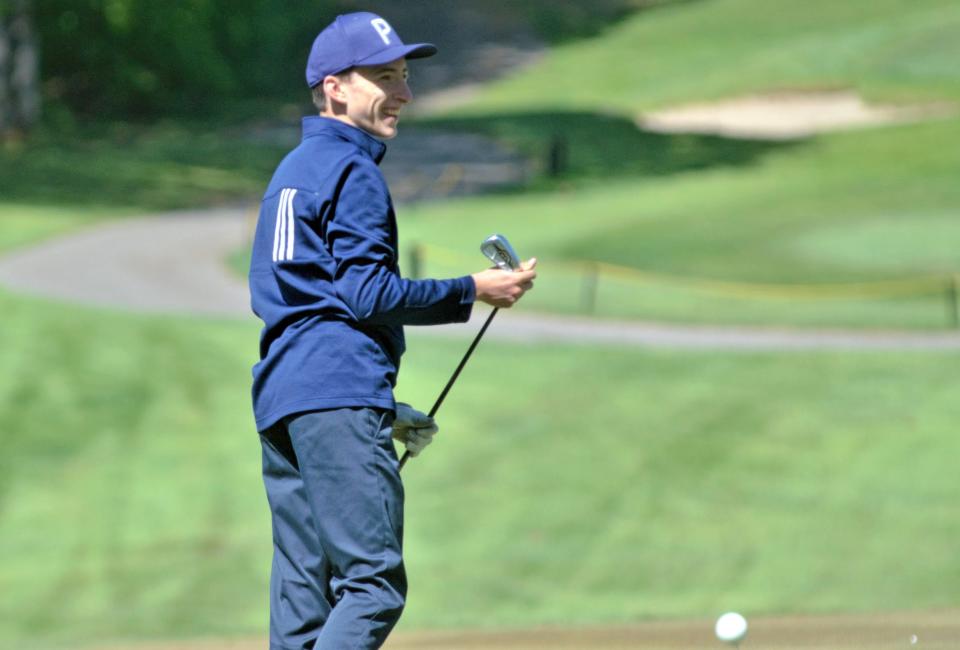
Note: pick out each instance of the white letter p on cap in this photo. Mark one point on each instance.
(383, 28)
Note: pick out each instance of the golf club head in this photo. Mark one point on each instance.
(498, 250)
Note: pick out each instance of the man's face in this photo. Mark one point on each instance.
(374, 96)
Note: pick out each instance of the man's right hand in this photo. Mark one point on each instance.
(504, 288)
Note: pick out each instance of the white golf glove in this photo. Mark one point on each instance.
(413, 428)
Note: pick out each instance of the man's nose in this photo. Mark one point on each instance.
(404, 93)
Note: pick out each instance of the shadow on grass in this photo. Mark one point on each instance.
(155, 167)
(581, 145)
(169, 166)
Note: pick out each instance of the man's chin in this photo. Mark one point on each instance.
(389, 128)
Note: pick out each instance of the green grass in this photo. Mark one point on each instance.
(698, 482)
(895, 49)
(129, 476)
(131, 505)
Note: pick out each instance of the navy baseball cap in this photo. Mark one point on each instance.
(360, 38)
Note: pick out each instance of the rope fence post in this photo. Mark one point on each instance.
(622, 280)
(588, 290)
(558, 156)
(416, 262)
(953, 304)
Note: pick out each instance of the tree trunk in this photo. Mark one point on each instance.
(4, 75)
(24, 68)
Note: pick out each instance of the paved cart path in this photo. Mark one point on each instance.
(175, 263)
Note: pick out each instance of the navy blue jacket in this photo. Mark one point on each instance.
(325, 280)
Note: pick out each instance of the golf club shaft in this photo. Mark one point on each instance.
(456, 373)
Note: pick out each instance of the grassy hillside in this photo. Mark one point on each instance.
(893, 49)
(696, 213)
(863, 208)
(678, 484)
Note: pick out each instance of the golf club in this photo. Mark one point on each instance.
(499, 251)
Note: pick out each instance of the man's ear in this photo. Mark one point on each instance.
(333, 88)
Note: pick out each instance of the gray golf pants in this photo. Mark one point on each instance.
(336, 500)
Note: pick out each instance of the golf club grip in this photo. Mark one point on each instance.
(453, 377)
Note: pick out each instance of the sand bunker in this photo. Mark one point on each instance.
(785, 115)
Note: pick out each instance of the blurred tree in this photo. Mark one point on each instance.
(19, 77)
(4, 57)
(141, 58)
(146, 58)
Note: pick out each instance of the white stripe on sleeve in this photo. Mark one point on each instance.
(290, 224)
(282, 220)
(278, 227)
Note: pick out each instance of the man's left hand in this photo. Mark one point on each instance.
(413, 428)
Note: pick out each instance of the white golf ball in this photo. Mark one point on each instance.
(731, 627)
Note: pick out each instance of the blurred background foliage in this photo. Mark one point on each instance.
(143, 59)
(139, 59)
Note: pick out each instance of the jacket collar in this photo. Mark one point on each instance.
(318, 125)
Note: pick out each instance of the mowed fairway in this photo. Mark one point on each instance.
(571, 486)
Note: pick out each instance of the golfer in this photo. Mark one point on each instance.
(325, 281)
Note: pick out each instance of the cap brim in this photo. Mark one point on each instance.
(421, 51)
(415, 51)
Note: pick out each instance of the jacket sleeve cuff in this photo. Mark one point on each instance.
(468, 290)
(468, 295)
